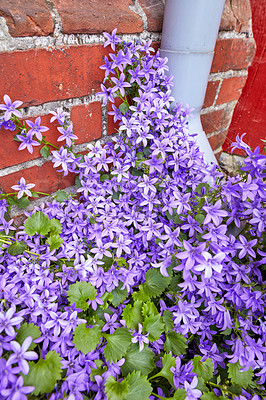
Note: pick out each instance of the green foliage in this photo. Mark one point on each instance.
(37, 223)
(44, 374)
(239, 377)
(204, 369)
(139, 386)
(168, 362)
(148, 309)
(23, 202)
(176, 343)
(79, 293)
(136, 360)
(26, 330)
(116, 390)
(123, 108)
(154, 326)
(17, 248)
(117, 345)
(168, 321)
(119, 295)
(54, 241)
(45, 152)
(86, 339)
(133, 315)
(155, 283)
(180, 394)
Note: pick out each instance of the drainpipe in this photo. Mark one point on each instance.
(190, 30)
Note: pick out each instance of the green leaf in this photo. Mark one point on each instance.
(23, 202)
(136, 360)
(140, 295)
(61, 196)
(44, 374)
(86, 339)
(118, 295)
(17, 248)
(168, 321)
(28, 330)
(180, 394)
(139, 387)
(77, 182)
(133, 315)
(121, 261)
(154, 325)
(176, 343)
(116, 390)
(212, 396)
(37, 223)
(55, 226)
(203, 369)
(45, 151)
(168, 362)
(104, 177)
(79, 293)
(200, 218)
(148, 309)
(136, 172)
(123, 108)
(118, 343)
(54, 241)
(108, 262)
(155, 283)
(241, 378)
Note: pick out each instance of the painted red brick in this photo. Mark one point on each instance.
(216, 120)
(210, 93)
(154, 10)
(38, 76)
(231, 89)
(94, 16)
(46, 179)
(216, 141)
(27, 17)
(9, 153)
(87, 123)
(235, 54)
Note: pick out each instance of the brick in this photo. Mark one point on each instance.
(46, 179)
(87, 123)
(236, 54)
(210, 93)
(242, 13)
(38, 76)
(216, 120)
(217, 140)
(231, 89)
(228, 21)
(27, 17)
(9, 153)
(94, 16)
(154, 10)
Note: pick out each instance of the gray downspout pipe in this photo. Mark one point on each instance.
(190, 30)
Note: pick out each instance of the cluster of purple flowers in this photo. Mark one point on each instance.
(148, 202)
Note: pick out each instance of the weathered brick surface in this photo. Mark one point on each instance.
(27, 17)
(154, 10)
(210, 93)
(94, 16)
(46, 179)
(231, 89)
(9, 153)
(235, 54)
(39, 76)
(216, 120)
(243, 15)
(87, 122)
(228, 21)
(217, 140)
(112, 127)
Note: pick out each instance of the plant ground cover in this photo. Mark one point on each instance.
(137, 289)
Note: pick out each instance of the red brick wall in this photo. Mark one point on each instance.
(50, 53)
